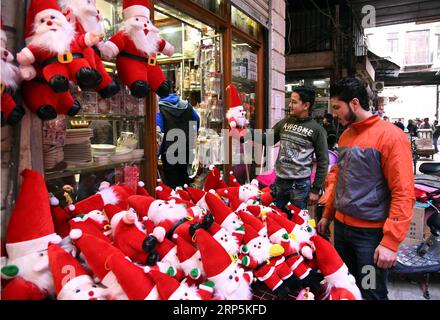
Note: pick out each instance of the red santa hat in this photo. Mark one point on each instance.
(60, 218)
(140, 189)
(282, 221)
(30, 227)
(214, 179)
(185, 250)
(59, 259)
(87, 226)
(218, 208)
(274, 229)
(214, 228)
(233, 180)
(162, 194)
(250, 234)
(164, 186)
(234, 98)
(114, 214)
(195, 194)
(166, 285)
(215, 259)
(231, 193)
(96, 251)
(136, 284)
(184, 195)
(266, 198)
(38, 9)
(133, 8)
(251, 220)
(129, 190)
(141, 204)
(94, 202)
(164, 248)
(327, 257)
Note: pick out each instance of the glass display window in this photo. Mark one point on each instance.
(243, 22)
(215, 6)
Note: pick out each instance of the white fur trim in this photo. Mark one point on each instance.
(185, 186)
(159, 233)
(305, 274)
(159, 188)
(296, 264)
(20, 249)
(28, 53)
(147, 269)
(267, 275)
(71, 207)
(75, 234)
(277, 235)
(211, 167)
(136, 10)
(116, 219)
(263, 231)
(53, 12)
(231, 172)
(339, 274)
(307, 252)
(109, 196)
(66, 291)
(141, 184)
(54, 201)
(104, 185)
(168, 49)
(206, 288)
(212, 191)
(221, 275)
(175, 236)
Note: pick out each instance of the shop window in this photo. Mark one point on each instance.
(196, 74)
(393, 43)
(243, 22)
(215, 6)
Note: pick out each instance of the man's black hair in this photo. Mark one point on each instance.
(347, 89)
(306, 94)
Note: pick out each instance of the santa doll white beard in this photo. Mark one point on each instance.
(9, 74)
(175, 214)
(53, 41)
(89, 22)
(242, 292)
(43, 278)
(260, 254)
(231, 246)
(147, 43)
(184, 288)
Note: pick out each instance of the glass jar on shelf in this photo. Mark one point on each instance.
(186, 78)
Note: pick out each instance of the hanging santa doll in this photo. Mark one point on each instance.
(84, 15)
(10, 112)
(56, 47)
(136, 47)
(38, 93)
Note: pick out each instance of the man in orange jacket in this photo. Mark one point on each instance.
(373, 198)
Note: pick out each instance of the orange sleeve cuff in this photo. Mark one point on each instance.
(390, 243)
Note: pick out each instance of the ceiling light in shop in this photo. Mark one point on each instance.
(319, 82)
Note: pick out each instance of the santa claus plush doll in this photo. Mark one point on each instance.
(136, 47)
(267, 262)
(38, 93)
(214, 180)
(11, 113)
(84, 15)
(190, 261)
(56, 47)
(231, 281)
(236, 114)
(341, 284)
(29, 232)
(72, 282)
(97, 253)
(136, 284)
(224, 216)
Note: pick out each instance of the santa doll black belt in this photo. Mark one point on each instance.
(150, 60)
(66, 57)
(178, 223)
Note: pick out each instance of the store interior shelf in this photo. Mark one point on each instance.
(106, 117)
(92, 167)
(244, 81)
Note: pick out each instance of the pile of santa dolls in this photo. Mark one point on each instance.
(64, 45)
(212, 244)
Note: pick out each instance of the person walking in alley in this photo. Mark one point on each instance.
(300, 137)
(372, 201)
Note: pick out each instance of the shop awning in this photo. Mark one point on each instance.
(383, 67)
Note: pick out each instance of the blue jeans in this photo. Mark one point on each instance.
(434, 142)
(295, 191)
(356, 247)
